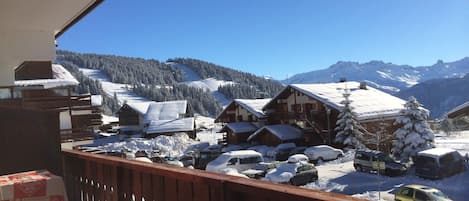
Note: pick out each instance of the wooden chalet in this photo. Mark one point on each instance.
(169, 117)
(131, 116)
(242, 117)
(243, 110)
(459, 116)
(273, 135)
(315, 107)
(155, 118)
(238, 132)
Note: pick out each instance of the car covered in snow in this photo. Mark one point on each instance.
(240, 160)
(296, 171)
(438, 163)
(414, 192)
(323, 153)
(167, 160)
(370, 161)
(261, 169)
(281, 151)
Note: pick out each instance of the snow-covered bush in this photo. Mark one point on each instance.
(415, 134)
(347, 126)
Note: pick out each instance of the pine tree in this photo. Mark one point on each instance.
(348, 128)
(447, 126)
(415, 134)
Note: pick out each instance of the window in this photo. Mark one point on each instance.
(419, 195)
(250, 160)
(361, 156)
(233, 161)
(250, 117)
(408, 192)
(240, 117)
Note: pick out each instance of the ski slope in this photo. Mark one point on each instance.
(110, 88)
(191, 78)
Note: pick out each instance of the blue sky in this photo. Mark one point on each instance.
(273, 37)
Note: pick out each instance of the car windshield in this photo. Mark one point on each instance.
(439, 194)
(384, 157)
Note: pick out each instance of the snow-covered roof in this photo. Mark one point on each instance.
(166, 110)
(368, 103)
(140, 107)
(253, 105)
(241, 127)
(458, 108)
(170, 126)
(96, 100)
(435, 152)
(61, 78)
(282, 131)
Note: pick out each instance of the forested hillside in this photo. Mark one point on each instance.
(248, 85)
(89, 86)
(150, 78)
(125, 70)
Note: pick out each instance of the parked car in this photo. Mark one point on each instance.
(281, 150)
(202, 158)
(240, 160)
(363, 162)
(261, 169)
(284, 153)
(416, 192)
(323, 152)
(296, 171)
(167, 160)
(438, 163)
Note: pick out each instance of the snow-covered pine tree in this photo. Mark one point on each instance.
(347, 126)
(415, 134)
(446, 125)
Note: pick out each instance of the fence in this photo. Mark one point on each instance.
(99, 177)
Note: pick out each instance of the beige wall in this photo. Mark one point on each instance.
(28, 28)
(23, 45)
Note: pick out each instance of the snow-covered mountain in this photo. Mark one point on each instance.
(386, 76)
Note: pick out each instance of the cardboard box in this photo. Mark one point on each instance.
(32, 186)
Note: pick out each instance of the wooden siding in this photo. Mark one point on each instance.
(29, 140)
(30, 70)
(97, 177)
(128, 116)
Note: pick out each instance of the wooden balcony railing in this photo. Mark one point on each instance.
(99, 177)
(76, 134)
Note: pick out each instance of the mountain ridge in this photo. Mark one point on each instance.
(383, 75)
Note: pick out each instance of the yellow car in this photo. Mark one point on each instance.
(414, 192)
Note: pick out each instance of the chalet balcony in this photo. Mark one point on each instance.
(90, 176)
(276, 116)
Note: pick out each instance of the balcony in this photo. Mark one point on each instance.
(98, 177)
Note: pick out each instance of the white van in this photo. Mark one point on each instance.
(240, 160)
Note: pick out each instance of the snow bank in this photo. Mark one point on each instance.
(167, 145)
